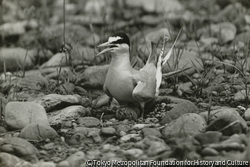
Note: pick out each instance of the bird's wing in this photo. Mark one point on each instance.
(106, 90)
(145, 80)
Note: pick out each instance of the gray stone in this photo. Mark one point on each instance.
(185, 125)
(93, 77)
(19, 147)
(68, 113)
(151, 131)
(246, 114)
(89, 121)
(15, 58)
(37, 132)
(187, 59)
(207, 151)
(74, 160)
(53, 102)
(225, 30)
(85, 130)
(108, 131)
(20, 114)
(152, 145)
(157, 5)
(8, 160)
(227, 120)
(240, 95)
(208, 137)
(179, 107)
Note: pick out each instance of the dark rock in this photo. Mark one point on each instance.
(37, 132)
(20, 114)
(185, 125)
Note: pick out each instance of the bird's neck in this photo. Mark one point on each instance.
(120, 61)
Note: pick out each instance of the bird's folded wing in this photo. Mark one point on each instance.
(145, 88)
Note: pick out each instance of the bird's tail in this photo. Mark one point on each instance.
(165, 59)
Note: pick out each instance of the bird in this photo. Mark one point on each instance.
(126, 84)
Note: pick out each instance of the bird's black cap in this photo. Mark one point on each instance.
(123, 38)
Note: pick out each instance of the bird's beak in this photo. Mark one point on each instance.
(106, 44)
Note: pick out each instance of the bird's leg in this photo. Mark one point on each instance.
(110, 101)
(142, 105)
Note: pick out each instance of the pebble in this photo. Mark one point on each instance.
(73, 160)
(134, 152)
(139, 126)
(151, 131)
(89, 121)
(108, 131)
(20, 114)
(128, 137)
(208, 151)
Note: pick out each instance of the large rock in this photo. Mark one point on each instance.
(55, 101)
(59, 59)
(227, 120)
(185, 125)
(51, 37)
(15, 58)
(156, 5)
(20, 114)
(178, 108)
(18, 146)
(68, 113)
(225, 31)
(93, 77)
(17, 28)
(37, 132)
(185, 60)
(7, 159)
(26, 88)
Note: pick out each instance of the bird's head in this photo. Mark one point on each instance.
(116, 43)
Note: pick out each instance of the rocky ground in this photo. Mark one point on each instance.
(53, 109)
